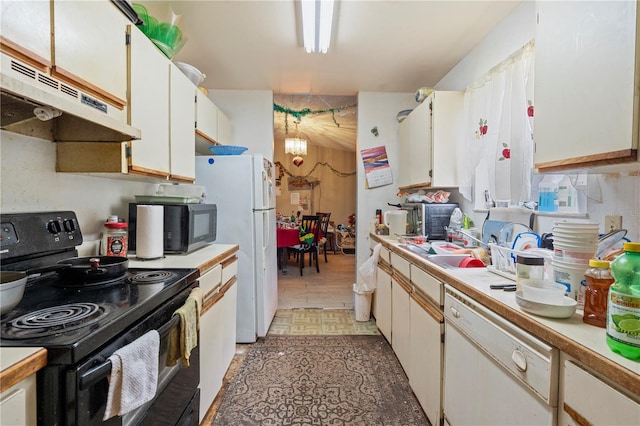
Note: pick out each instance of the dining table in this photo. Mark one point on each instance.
(286, 237)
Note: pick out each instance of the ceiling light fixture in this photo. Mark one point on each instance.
(316, 24)
(295, 146)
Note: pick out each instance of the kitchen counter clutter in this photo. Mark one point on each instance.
(578, 343)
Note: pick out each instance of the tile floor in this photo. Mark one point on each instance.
(316, 303)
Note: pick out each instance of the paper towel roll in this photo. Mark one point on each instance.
(150, 232)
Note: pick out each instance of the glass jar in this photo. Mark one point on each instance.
(114, 238)
(599, 279)
(528, 267)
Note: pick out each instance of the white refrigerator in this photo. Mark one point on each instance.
(243, 188)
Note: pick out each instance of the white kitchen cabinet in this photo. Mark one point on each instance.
(217, 328)
(382, 302)
(426, 342)
(18, 403)
(26, 31)
(585, 399)
(400, 318)
(149, 105)
(90, 52)
(427, 141)
(212, 125)
(586, 85)
(162, 107)
(182, 122)
(425, 355)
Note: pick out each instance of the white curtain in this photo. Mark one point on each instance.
(496, 152)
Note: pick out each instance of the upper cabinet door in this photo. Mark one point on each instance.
(586, 84)
(26, 30)
(149, 105)
(427, 141)
(183, 118)
(90, 48)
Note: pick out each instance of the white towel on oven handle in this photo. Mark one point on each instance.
(134, 375)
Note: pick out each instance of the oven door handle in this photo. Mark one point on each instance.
(101, 371)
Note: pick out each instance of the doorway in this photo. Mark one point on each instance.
(321, 180)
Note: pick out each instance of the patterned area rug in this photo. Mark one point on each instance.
(320, 380)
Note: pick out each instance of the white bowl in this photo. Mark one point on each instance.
(542, 291)
(565, 309)
(191, 72)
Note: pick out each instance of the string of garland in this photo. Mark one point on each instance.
(298, 114)
(336, 172)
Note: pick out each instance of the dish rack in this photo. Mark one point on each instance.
(503, 261)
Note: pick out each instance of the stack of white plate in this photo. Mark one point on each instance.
(574, 243)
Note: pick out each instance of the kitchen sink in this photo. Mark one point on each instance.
(443, 260)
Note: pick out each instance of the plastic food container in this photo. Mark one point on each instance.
(542, 291)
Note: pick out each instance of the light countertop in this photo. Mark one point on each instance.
(584, 342)
(204, 258)
(16, 364)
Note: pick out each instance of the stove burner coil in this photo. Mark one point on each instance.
(151, 277)
(54, 320)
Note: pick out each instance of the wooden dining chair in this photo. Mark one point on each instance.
(324, 226)
(310, 224)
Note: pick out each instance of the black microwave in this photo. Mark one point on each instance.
(187, 227)
(427, 219)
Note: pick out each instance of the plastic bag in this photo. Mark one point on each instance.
(368, 271)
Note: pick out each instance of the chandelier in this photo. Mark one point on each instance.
(296, 146)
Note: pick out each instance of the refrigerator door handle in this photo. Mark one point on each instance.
(266, 237)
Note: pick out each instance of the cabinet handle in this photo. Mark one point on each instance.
(520, 360)
(455, 312)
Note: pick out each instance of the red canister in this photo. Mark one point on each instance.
(114, 239)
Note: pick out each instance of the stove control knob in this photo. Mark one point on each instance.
(69, 225)
(54, 227)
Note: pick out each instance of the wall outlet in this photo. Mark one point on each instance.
(612, 223)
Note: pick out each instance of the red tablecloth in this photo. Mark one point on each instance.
(287, 237)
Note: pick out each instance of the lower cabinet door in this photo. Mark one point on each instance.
(400, 323)
(425, 359)
(211, 355)
(382, 311)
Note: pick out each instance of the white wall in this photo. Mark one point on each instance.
(377, 110)
(29, 183)
(513, 32)
(251, 115)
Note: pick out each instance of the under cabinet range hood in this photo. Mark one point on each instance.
(32, 99)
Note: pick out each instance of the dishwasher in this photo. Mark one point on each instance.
(494, 372)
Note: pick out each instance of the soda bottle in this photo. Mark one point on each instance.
(623, 310)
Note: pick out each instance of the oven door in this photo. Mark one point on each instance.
(88, 386)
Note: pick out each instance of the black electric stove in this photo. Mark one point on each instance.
(72, 321)
(81, 324)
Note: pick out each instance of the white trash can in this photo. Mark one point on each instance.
(362, 304)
